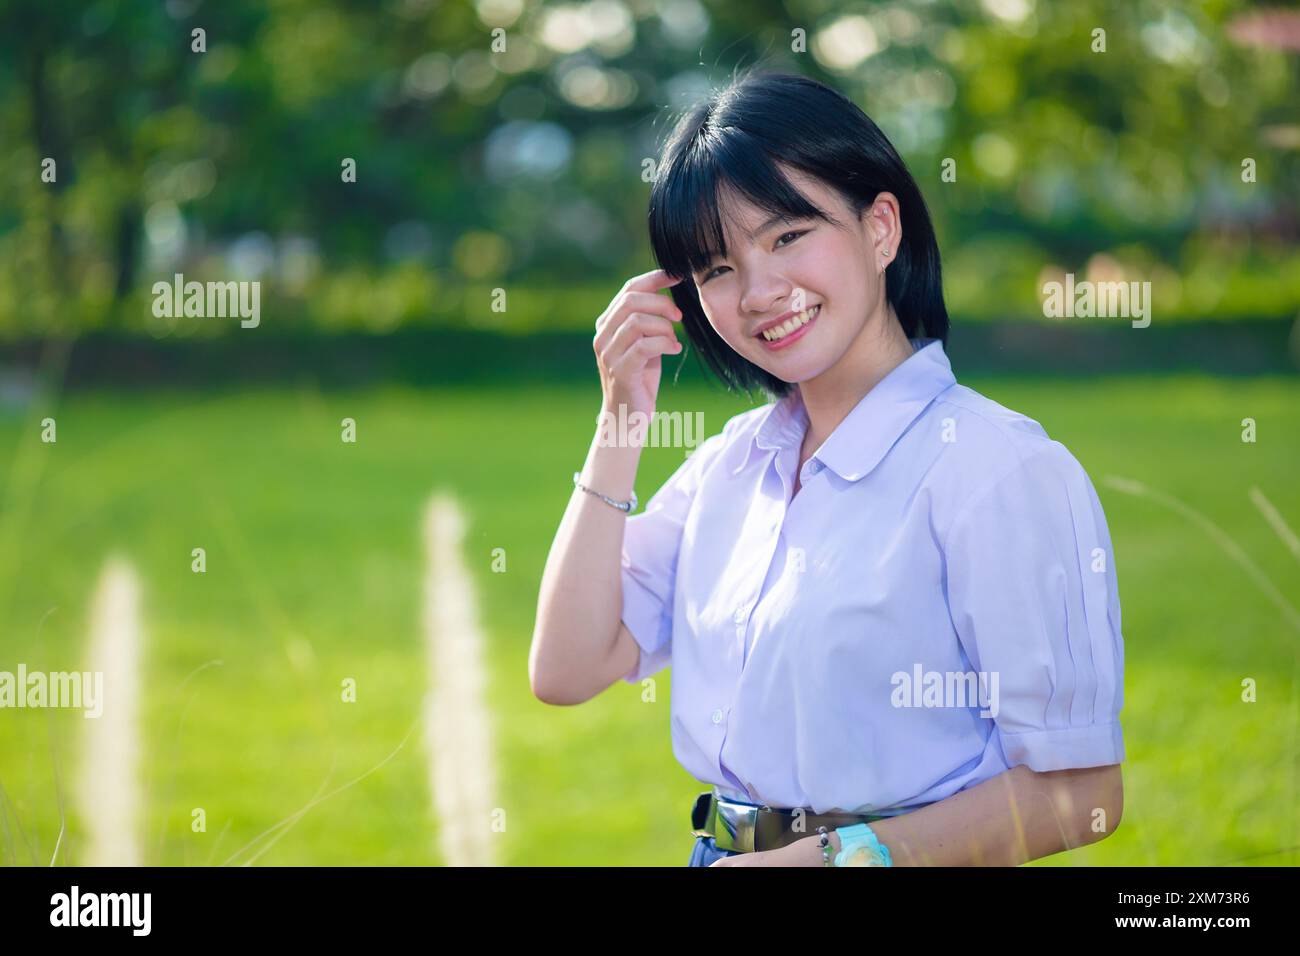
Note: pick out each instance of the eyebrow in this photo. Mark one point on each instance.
(771, 221)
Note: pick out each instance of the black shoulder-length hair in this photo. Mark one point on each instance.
(736, 137)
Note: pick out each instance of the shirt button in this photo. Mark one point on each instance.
(739, 616)
(717, 716)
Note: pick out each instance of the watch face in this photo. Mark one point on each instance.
(863, 856)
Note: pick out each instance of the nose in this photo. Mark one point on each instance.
(762, 293)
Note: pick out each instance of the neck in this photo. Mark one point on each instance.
(880, 348)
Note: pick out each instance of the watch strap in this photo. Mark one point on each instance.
(859, 846)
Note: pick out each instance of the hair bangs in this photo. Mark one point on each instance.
(686, 227)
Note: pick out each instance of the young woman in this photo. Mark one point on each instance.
(889, 602)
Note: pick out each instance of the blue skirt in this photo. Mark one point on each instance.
(706, 851)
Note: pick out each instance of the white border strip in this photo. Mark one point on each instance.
(457, 727)
(108, 792)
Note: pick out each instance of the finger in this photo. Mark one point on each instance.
(652, 322)
(651, 281)
(641, 352)
(628, 302)
(654, 303)
(633, 360)
(644, 323)
(637, 325)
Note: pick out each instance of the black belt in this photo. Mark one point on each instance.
(748, 827)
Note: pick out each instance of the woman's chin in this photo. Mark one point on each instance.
(792, 375)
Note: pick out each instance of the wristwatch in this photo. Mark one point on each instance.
(859, 846)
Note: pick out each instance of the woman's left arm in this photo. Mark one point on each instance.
(1017, 816)
(1030, 586)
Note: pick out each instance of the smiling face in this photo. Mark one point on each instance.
(831, 277)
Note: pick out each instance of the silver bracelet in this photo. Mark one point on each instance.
(625, 506)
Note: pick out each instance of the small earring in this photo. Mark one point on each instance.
(886, 252)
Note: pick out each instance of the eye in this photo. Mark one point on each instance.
(796, 233)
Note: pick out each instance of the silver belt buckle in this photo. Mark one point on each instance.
(734, 824)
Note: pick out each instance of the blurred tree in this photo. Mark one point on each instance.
(502, 143)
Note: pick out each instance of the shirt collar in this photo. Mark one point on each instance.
(860, 441)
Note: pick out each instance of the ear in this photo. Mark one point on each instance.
(885, 226)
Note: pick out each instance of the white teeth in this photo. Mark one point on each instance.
(789, 325)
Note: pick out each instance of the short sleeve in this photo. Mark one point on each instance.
(649, 561)
(1033, 596)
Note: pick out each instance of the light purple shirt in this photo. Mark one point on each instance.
(934, 531)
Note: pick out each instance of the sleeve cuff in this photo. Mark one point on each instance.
(651, 628)
(1070, 747)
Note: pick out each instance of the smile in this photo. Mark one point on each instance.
(791, 330)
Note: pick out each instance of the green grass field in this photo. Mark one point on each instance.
(314, 572)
